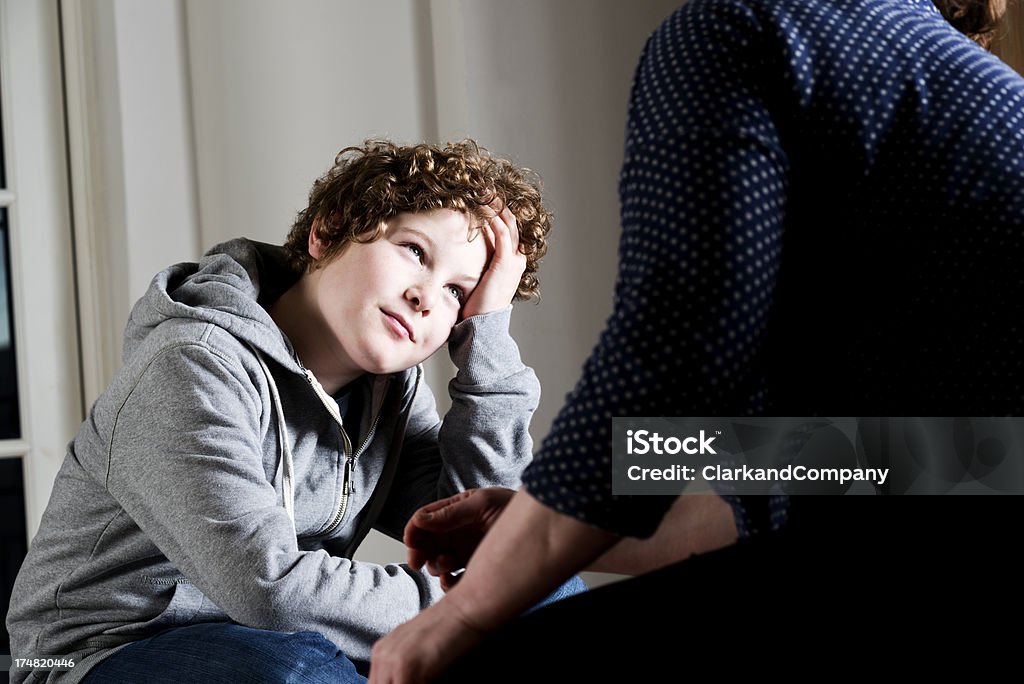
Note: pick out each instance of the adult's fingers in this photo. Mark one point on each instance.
(450, 580)
(452, 513)
(421, 544)
(427, 533)
(421, 534)
(443, 564)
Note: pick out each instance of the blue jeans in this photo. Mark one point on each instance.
(222, 652)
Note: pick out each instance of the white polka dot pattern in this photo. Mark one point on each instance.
(822, 214)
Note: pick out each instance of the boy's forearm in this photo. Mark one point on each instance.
(485, 438)
(694, 524)
(485, 353)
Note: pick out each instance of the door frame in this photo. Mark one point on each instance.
(45, 330)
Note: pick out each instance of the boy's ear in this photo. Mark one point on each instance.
(316, 243)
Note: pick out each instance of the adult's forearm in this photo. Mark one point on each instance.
(694, 524)
(530, 550)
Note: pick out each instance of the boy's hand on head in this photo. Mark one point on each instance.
(500, 279)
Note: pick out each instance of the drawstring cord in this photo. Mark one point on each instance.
(285, 466)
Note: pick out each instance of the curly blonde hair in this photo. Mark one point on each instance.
(370, 184)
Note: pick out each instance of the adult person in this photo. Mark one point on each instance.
(822, 214)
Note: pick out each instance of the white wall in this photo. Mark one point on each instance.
(280, 87)
(237, 106)
(132, 161)
(548, 85)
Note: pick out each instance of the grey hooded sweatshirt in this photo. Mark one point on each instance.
(213, 480)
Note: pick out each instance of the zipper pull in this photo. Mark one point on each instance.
(348, 476)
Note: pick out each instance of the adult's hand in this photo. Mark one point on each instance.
(423, 648)
(443, 535)
(495, 589)
(500, 280)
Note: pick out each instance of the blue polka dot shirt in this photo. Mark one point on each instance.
(822, 208)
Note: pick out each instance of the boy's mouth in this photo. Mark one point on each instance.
(399, 324)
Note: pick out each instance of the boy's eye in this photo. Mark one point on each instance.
(416, 250)
(456, 292)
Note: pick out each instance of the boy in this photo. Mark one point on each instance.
(271, 411)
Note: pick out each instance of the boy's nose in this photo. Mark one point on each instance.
(418, 297)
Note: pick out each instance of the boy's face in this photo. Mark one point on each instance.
(390, 304)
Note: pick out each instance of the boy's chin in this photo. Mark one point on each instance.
(396, 367)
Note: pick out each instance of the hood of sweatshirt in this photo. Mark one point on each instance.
(230, 287)
(225, 288)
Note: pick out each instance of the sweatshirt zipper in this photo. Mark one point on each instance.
(346, 486)
(346, 445)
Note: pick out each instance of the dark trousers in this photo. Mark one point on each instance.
(919, 580)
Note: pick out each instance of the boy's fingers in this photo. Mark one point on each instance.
(497, 228)
(510, 238)
(496, 206)
(513, 226)
(502, 217)
(504, 243)
(488, 232)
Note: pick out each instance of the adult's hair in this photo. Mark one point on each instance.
(977, 19)
(372, 183)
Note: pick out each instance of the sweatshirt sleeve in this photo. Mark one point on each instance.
(185, 463)
(484, 440)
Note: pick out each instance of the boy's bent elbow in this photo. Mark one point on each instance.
(267, 608)
(268, 598)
